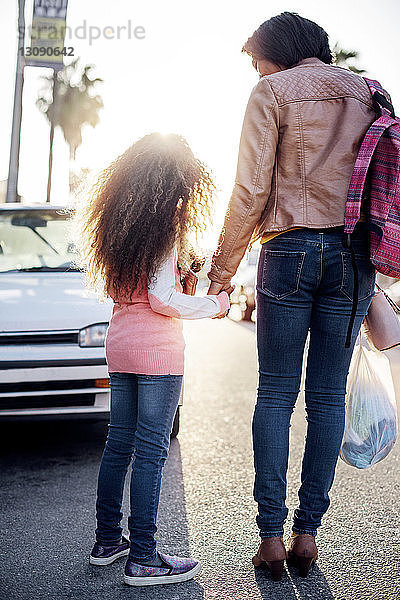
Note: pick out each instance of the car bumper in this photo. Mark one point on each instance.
(62, 415)
(52, 382)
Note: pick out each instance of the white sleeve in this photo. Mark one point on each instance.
(166, 300)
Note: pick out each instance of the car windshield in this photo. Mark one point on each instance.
(35, 240)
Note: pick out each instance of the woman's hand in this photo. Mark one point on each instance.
(216, 288)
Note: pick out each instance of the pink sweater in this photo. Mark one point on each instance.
(145, 335)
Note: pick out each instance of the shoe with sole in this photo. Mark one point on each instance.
(174, 569)
(302, 552)
(271, 554)
(105, 555)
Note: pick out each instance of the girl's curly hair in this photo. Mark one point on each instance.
(152, 196)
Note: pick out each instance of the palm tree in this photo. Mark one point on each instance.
(342, 56)
(68, 100)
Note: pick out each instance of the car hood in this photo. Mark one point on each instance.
(48, 301)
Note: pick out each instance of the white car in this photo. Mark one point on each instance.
(52, 331)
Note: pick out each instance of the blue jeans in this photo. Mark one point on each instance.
(142, 414)
(304, 283)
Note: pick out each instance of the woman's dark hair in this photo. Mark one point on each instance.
(288, 38)
(148, 199)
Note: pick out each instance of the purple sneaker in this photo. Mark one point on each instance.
(105, 555)
(174, 570)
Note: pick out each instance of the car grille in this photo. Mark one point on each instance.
(35, 386)
(39, 337)
(50, 401)
(49, 394)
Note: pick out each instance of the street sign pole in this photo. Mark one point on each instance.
(12, 181)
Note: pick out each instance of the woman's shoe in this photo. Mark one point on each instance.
(302, 552)
(271, 554)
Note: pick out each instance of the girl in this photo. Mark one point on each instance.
(132, 233)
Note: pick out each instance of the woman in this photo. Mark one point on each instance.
(133, 233)
(303, 126)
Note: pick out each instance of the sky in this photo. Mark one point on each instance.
(185, 75)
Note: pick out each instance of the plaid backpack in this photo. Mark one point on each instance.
(376, 179)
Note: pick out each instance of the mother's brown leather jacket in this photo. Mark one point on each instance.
(301, 134)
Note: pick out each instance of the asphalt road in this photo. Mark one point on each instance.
(47, 496)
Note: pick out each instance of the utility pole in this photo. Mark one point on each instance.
(12, 181)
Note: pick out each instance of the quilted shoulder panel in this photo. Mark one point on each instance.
(318, 83)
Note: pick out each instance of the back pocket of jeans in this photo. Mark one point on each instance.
(281, 272)
(366, 276)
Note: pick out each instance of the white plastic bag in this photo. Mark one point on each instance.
(371, 413)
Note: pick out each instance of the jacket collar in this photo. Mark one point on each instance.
(309, 62)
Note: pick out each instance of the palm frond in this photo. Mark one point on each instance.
(342, 57)
(74, 104)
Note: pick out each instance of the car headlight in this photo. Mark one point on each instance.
(93, 336)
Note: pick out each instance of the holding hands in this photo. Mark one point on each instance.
(215, 288)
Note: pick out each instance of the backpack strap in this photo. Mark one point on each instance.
(346, 242)
(379, 98)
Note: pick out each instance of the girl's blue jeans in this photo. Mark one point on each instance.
(142, 414)
(304, 284)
